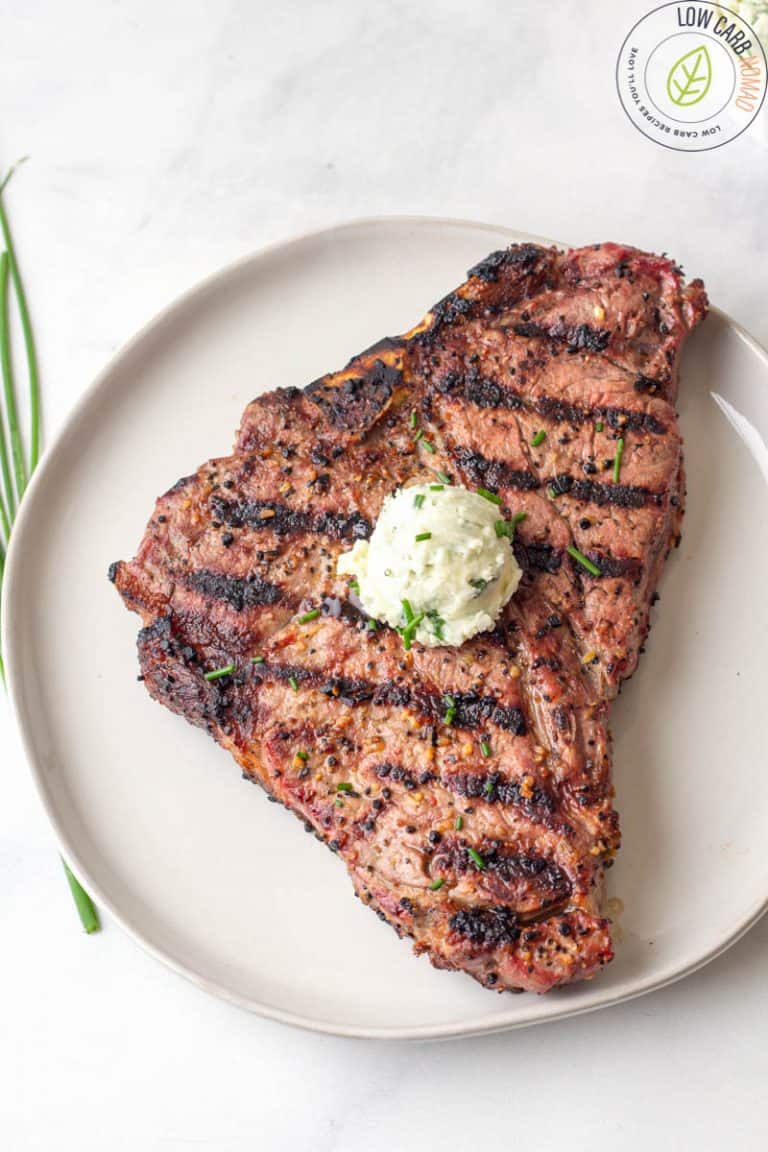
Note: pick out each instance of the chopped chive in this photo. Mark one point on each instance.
(436, 884)
(599, 426)
(429, 447)
(503, 528)
(479, 583)
(344, 786)
(407, 611)
(494, 499)
(303, 755)
(339, 802)
(419, 499)
(485, 748)
(353, 584)
(437, 623)
(450, 716)
(413, 419)
(437, 487)
(617, 459)
(257, 659)
(449, 701)
(89, 917)
(443, 477)
(217, 673)
(476, 857)
(539, 438)
(458, 823)
(423, 536)
(518, 519)
(488, 787)
(313, 615)
(293, 683)
(372, 625)
(552, 492)
(585, 562)
(419, 435)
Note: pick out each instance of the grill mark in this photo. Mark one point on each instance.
(544, 558)
(493, 473)
(576, 337)
(594, 492)
(494, 788)
(487, 927)
(626, 419)
(289, 521)
(534, 557)
(546, 877)
(486, 393)
(472, 710)
(239, 593)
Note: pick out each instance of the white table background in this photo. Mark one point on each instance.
(167, 139)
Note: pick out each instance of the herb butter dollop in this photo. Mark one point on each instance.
(439, 565)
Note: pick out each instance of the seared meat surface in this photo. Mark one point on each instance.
(483, 835)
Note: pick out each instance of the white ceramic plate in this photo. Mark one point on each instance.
(226, 888)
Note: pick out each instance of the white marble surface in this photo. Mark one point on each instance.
(167, 139)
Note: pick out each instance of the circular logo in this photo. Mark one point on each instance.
(691, 76)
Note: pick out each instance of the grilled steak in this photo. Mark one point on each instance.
(484, 839)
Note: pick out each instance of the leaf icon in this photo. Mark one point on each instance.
(690, 77)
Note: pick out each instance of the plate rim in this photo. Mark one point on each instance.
(11, 650)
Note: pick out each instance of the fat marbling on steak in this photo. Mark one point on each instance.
(485, 839)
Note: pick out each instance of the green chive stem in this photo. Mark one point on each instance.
(257, 659)
(293, 683)
(443, 477)
(423, 536)
(617, 459)
(538, 439)
(429, 447)
(437, 884)
(494, 499)
(585, 562)
(5, 357)
(344, 786)
(476, 857)
(26, 328)
(485, 748)
(599, 426)
(458, 823)
(217, 673)
(312, 615)
(418, 500)
(89, 917)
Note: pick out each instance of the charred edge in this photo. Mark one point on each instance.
(494, 788)
(486, 393)
(576, 337)
(239, 593)
(447, 311)
(472, 710)
(356, 403)
(487, 927)
(284, 521)
(113, 570)
(493, 473)
(592, 492)
(386, 344)
(520, 256)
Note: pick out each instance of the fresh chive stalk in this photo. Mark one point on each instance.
(436, 885)
(423, 536)
(418, 500)
(312, 615)
(217, 673)
(617, 459)
(443, 477)
(491, 496)
(9, 269)
(476, 857)
(485, 748)
(538, 439)
(585, 562)
(458, 823)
